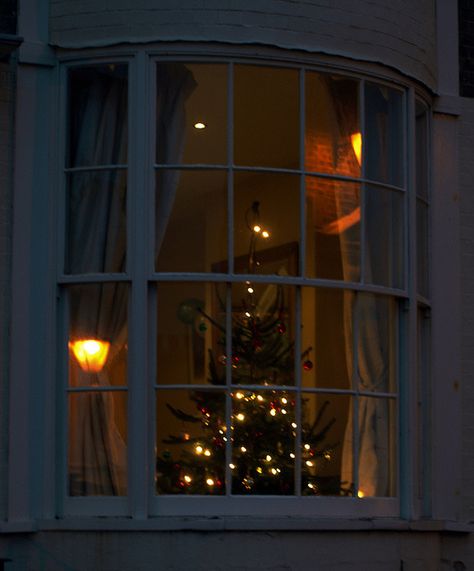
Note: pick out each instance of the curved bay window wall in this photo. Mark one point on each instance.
(275, 271)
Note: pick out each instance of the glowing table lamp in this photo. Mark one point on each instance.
(91, 354)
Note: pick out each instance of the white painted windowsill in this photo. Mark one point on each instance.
(236, 524)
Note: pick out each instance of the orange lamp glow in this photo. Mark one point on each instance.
(356, 140)
(91, 354)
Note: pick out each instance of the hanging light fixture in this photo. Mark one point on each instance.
(91, 354)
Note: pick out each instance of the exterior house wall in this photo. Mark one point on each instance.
(7, 81)
(466, 177)
(398, 33)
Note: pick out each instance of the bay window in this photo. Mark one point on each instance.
(233, 287)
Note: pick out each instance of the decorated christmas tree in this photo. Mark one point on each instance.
(262, 422)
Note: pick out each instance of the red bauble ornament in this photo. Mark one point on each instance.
(307, 365)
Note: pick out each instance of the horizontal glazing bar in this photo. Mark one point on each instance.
(315, 174)
(421, 300)
(92, 278)
(274, 279)
(96, 388)
(277, 388)
(95, 168)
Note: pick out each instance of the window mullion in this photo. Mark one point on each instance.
(407, 408)
(137, 244)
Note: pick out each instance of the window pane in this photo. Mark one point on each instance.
(326, 451)
(327, 333)
(98, 334)
(385, 243)
(190, 333)
(377, 447)
(190, 442)
(263, 452)
(384, 134)
(266, 116)
(333, 142)
(421, 160)
(189, 95)
(333, 229)
(191, 220)
(96, 222)
(263, 334)
(98, 121)
(97, 460)
(266, 223)
(422, 251)
(377, 343)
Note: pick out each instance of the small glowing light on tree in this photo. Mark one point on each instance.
(268, 458)
(283, 411)
(278, 470)
(327, 455)
(259, 469)
(257, 228)
(231, 466)
(284, 400)
(243, 449)
(224, 439)
(247, 314)
(250, 289)
(294, 425)
(356, 140)
(239, 395)
(188, 479)
(310, 485)
(200, 125)
(309, 463)
(273, 412)
(186, 436)
(240, 417)
(360, 494)
(207, 452)
(210, 482)
(221, 431)
(292, 455)
(307, 446)
(91, 354)
(274, 471)
(259, 398)
(265, 234)
(199, 449)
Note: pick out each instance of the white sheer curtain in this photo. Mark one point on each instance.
(372, 355)
(97, 243)
(97, 238)
(175, 83)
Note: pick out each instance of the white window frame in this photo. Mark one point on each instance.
(141, 502)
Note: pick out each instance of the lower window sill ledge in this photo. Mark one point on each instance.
(182, 523)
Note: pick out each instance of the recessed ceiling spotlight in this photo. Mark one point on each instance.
(199, 125)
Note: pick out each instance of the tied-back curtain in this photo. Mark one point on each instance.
(97, 243)
(175, 83)
(372, 357)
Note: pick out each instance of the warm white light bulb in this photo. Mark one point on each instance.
(292, 455)
(187, 479)
(268, 457)
(257, 228)
(207, 452)
(239, 395)
(200, 125)
(250, 289)
(210, 482)
(307, 446)
(273, 412)
(265, 234)
(243, 449)
(309, 463)
(199, 449)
